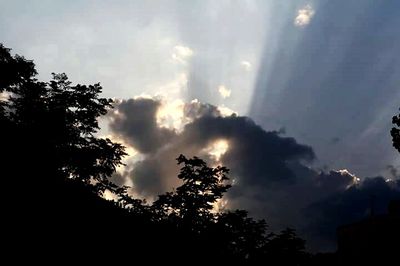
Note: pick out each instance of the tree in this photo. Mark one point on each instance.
(243, 237)
(286, 248)
(54, 168)
(193, 201)
(395, 132)
(194, 229)
(52, 157)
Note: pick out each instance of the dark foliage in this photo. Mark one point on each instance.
(395, 132)
(193, 201)
(53, 165)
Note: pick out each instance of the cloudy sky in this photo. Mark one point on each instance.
(296, 97)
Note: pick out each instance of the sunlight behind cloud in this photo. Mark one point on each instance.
(171, 115)
(224, 91)
(355, 180)
(225, 111)
(131, 154)
(217, 149)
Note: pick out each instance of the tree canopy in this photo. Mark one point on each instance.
(49, 132)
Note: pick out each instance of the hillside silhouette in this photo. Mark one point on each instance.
(55, 171)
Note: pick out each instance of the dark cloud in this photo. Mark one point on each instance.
(335, 140)
(317, 203)
(135, 121)
(347, 206)
(253, 153)
(283, 205)
(148, 175)
(271, 175)
(196, 109)
(393, 171)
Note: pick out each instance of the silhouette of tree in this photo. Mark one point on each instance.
(54, 168)
(226, 237)
(51, 156)
(193, 201)
(243, 237)
(286, 248)
(395, 132)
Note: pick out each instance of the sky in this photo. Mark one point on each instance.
(295, 97)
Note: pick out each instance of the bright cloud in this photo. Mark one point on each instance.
(225, 111)
(175, 88)
(217, 149)
(246, 65)
(181, 54)
(171, 115)
(304, 16)
(355, 179)
(224, 91)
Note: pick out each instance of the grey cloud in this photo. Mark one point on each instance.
(135, 121)
(317, 203)
(196, 109)
(254, 155)
(149, 175)
(394, 171)
(272, 179)
(283, 205)
(334, 180)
